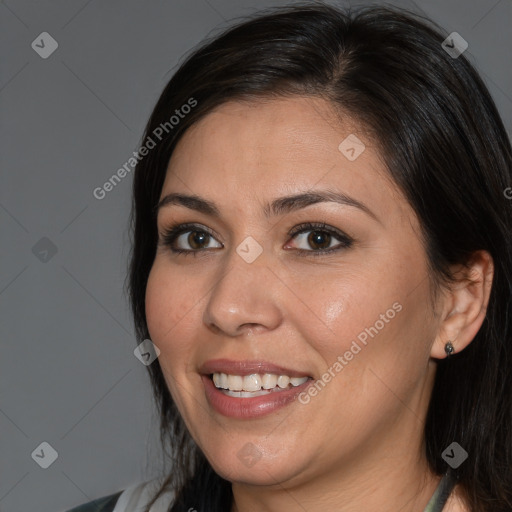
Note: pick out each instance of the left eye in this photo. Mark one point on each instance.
(320, 237)
(317, 239)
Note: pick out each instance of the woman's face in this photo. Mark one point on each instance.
(346, 304)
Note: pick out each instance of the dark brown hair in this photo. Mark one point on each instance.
(446, 148)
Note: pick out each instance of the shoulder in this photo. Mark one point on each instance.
(132, 499)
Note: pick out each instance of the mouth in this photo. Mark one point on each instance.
(250, 389)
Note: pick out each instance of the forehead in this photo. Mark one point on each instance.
(265, 148)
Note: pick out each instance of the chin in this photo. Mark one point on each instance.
(244, 467)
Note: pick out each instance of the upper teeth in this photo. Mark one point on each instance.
(255, 382)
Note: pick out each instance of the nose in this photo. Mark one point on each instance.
(245, 298)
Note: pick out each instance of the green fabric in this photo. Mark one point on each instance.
(441, 494)
(105, 504)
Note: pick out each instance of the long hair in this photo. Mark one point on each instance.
(444, 145)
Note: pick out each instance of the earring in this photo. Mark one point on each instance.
(449, 349)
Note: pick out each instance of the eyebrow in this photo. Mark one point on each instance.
(279, 206)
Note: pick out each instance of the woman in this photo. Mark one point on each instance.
(322, 257)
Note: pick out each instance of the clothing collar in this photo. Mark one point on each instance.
(441, 494)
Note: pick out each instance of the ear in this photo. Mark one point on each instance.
(465, 304)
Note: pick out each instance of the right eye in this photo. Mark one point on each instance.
(192, 234)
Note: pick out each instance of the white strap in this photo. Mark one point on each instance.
(136, 497)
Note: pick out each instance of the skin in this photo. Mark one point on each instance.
(357, 445)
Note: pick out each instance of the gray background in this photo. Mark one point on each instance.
(68, 375)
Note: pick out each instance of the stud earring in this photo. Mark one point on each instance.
(449, 349)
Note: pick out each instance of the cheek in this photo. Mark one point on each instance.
(170, 309)
(332, 310)
(169, 315)
(156, 303)
(369, 317)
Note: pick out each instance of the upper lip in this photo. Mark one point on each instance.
(247, 367)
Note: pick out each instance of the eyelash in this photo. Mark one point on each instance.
(174, 231)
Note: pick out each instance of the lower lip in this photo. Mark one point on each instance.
(235, 407)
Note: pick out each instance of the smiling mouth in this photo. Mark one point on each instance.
(253, 385)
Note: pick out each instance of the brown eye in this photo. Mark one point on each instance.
(187, 238)
(319, 238)
(197, 239)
